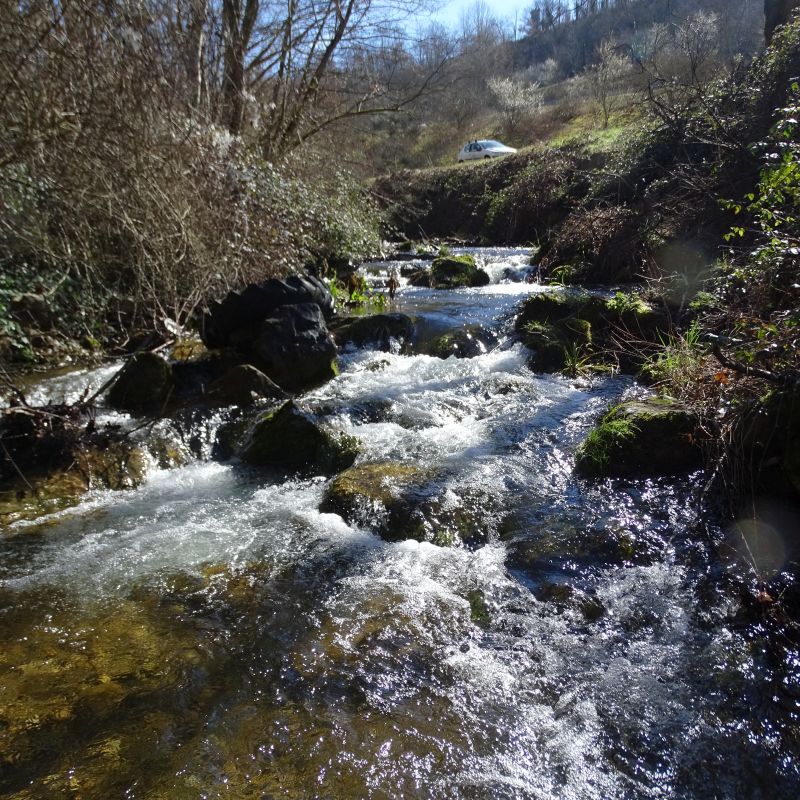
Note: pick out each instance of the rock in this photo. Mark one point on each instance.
(420, 278)
(294, 347)
(56, 694)
(238, 317)
(547, 345)
(241, 386)
(101, 462)
(376, 329)
(380, 497)
(550, 308)
(641, 437)
(291, 439)
(467, 342)
(143, 384)
(451, 272)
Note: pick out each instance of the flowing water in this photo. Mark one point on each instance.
(212, 634)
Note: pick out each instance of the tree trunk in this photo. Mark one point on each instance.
(238, 19)
(777, 12)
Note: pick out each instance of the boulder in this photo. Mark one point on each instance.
(642, 437)
(381, 497)
(291, 439)
(144, 384)
(551, 344)
(237, 318)
(420, 278)
(294, 347)
(241, 386)
(550, 308)
(466, 342)
(451, 272)
(99, 462)
(375, 329)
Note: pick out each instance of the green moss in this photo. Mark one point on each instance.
(641, 437)
(381, 497)
(604, 442)
(291, 439)
(450, 272)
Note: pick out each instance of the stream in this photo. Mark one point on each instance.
(212, 634)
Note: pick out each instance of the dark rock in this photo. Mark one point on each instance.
(451, 272)
(642, 437)
(550, 308)
(241, 386)
(420, 278)
(143, 384)
(375, 329)
(381, 497)
(293, 440)
(467, 342)
(294, 347)
(237, 318)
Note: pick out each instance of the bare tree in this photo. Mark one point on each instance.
(605, 78)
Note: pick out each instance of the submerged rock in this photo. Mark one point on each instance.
(381, 497)
(452, 272)
(292, 439)
(374, 329)
(143, 384)
(294, 347)
(642, 437)
(85, 680)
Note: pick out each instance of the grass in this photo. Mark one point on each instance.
(604, 441)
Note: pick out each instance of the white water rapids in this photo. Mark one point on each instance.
(581, 650)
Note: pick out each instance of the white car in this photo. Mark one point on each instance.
(484, 148)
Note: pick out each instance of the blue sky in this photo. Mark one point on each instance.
(450, 13)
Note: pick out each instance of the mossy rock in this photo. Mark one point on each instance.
(143, 384)
(381, 497)
(376, 329)
(548, 347)
(452, 272)
(560, 308)
(556, 306)
(466, 342)
(642, 437)
(551, 342)
(105, 463)
(293, 440)
(421, 278)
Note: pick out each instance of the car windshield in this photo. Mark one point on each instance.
(490, 143)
